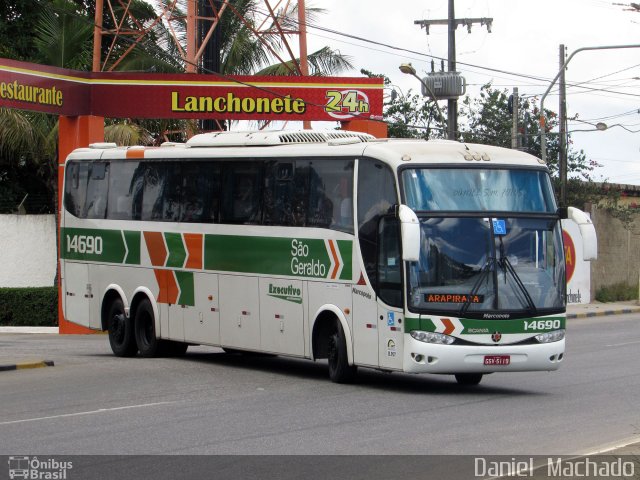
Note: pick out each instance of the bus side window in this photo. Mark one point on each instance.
(198, 201)
(120, 198)
(376, 195)
(161, 192)
(278, 194)
(97, 188)
(242, 193)
(330, 194)
(389, 262)
(75, 188)
(170, 204)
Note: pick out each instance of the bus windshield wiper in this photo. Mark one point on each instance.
(484, 272)
(507, 267)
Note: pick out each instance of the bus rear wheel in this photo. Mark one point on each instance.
(145, 329)
(339, 369)
(121, 335)
(468, 378)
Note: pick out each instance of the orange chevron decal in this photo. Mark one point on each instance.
(168, 288)
(194, 242)
(156, 248)
(449, 326)
(336, 260)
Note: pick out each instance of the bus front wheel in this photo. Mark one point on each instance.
(468, 378)
(339, 369)
(121, 335)
(145, 329)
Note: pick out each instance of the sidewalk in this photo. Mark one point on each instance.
(596, 309)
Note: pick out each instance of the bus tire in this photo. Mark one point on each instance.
(339, 369)
(121, 336)
(148, 343)
(468, 379)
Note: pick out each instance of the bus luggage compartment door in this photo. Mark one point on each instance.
(77, 291)
(239, 312)
(281, 316)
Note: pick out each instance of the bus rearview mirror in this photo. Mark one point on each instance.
(410, 231)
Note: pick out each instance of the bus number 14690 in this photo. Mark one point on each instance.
(84, 244)
(542, 325)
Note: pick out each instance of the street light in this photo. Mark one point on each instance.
(599, 127)
(409, 70)
(543, 140)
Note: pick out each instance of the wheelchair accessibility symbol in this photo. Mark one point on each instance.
(499, 227)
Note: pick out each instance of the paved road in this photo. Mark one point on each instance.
(213, 403)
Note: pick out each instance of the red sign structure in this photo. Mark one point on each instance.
(83, 99)
(139, 95)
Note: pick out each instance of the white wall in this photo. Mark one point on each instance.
(27, 250)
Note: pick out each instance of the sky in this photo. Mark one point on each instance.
(524, 41)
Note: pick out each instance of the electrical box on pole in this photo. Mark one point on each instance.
(444, 85)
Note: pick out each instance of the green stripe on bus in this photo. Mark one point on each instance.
(293, 257)
(177, 252)
(483, 327)
(132, 239)
(185, 283)
(92, 245)
(346, 252)
(97, 245)
(275, 256)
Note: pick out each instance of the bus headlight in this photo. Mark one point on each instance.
(550, 336)
(432, 337)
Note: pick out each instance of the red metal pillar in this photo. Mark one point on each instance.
(190, 61)
(376, 128)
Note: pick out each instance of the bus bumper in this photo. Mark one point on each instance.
(421, 357)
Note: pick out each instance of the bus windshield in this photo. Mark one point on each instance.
(491, 242)
(478, 189)
(483, 267)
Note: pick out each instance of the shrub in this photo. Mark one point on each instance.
(617, 292)
(35, 307)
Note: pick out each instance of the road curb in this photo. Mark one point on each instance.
(602, 313)
(26, 365)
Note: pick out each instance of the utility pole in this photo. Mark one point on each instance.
(452, 23)
(514, 110)
(562, 156)
(452, 103)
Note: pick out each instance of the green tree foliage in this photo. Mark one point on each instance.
(56, 36)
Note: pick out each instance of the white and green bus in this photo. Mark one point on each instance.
(399, 255)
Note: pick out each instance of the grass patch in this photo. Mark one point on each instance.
(617, 292)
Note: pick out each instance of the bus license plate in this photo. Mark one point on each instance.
(497, 359)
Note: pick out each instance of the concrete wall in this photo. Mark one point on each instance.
(618, 251)
(27, 250)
